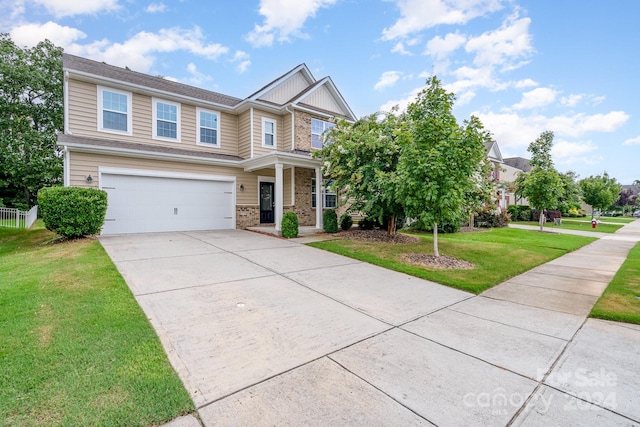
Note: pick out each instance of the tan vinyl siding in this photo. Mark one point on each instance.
(285, 144)
(287, 89)
(83, 121)
(244, 135)
(83, 164)
(323, 99)
(258, 149)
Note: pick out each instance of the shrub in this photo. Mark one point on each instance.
(366, 223)
(330, 221)
(525, 214)
(491, 218)
(549, 215)
(346, 222)
(289, 225)
(446, 227)
(72, 212)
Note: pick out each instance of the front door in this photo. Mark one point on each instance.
(267, 203)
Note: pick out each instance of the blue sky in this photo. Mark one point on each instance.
(521, 66)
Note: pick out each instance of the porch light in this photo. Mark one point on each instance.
(241, 187)
(89, 179)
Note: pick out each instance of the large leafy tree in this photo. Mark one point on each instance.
(599, 191)
(542, 185)
(570, 194)
(31, 115)
(362, 159)
(440, 170)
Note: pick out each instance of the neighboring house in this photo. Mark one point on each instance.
(173, 157)
(495, 157)
(511, 169)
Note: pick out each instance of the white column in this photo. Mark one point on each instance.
(279, 192)
(319, 200)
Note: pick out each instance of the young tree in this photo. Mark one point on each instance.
(31, 114)
(362, 159)
(441, 163)
(542, 185)
(599, 191)
(570, 194)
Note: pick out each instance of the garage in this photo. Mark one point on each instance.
(144, 204)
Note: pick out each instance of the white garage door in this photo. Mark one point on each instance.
(141, 204)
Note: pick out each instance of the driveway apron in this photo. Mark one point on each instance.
(266, 331)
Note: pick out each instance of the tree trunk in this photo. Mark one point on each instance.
(392, 226)
(470, 220)
(435, 240)
(541, 221)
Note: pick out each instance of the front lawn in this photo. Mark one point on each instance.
(621, 300)
(76, 349)
(575, 224)
(498, 254)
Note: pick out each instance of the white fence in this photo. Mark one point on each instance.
(18, 219)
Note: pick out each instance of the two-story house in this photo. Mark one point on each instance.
(173, 157)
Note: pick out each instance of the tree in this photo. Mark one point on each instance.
(441, 163)
(599, 191)
(570, 194)
(31, 115)
(362, 159)
(542, 185)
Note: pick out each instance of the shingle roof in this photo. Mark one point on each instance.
(518, 163)
(76, 63)
(141, 148)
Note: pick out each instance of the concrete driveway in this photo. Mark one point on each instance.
(265, 331)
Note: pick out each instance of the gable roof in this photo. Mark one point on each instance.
(518, 163)
(89, 68)
(493, 151)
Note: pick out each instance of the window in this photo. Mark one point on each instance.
(318, 129)
(330, 196)
(268, 133)
(166, 120)
(114, 111)
(207, 123)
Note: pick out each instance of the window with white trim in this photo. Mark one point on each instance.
(208, 127)
(318, 132)
(114, 111)
(166, 120)
(268, 133)
(330, 198)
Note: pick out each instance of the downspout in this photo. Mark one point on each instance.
(65, 103)
(251, 130)
(293, 128)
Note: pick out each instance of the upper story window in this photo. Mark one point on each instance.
(318, 129)
(268, 133)
(166, 120)
(114, 111)
(208, 127)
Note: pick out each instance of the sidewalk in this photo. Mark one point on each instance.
(521, 353)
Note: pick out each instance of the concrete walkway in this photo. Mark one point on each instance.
(265, 331)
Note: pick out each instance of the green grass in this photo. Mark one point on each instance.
(575, 224)
(498, 254)
(621, 300)
(76, 349)
(618, 219)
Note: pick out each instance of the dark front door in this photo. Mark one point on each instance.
(267, 203)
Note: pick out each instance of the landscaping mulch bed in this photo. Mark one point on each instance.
(441, 263)
(379, 236)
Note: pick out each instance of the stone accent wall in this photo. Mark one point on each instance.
(302, 131)
(306, 214)
(247, 216)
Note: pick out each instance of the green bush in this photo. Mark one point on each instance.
(289, 225)
(490, 218)
(447, 227)
(346, 222)
(366, 224)
(72, 212)
(330, 221)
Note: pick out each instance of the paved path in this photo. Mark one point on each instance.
(265, 331)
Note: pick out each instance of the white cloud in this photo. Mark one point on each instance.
(156, 8)
(442, 47)
(571, 100)
(509, 43)
(566, 151)
(402, 103)
(284, 19)
(388, 79)
(399, 48)
(521, 84)
(632, 141)
(62, 8)
(197, 78)
(242, 60)
(31, 34)
(538, 97)
(418, 15)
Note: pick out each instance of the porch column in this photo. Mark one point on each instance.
(279, 184)
(319, 200)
